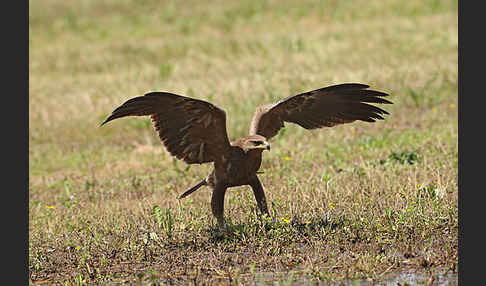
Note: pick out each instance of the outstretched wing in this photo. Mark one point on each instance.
(192, 130)
(324, 107)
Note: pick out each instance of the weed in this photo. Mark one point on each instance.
(164, 220)
(404, 157)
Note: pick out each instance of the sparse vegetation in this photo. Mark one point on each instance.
(351, 202)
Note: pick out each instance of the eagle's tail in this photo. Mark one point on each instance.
(193, 189)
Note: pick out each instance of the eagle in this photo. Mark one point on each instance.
(194, 131)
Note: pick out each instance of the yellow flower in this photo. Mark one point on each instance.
(331, 207)
(50, 207)
(78, 247)
(285, 220)
(409, 210)
(356, 204)
(452, 105)
(287, 158)
(307, 222)
(169, 187)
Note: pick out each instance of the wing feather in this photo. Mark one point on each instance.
(192, 130)
(324, 107)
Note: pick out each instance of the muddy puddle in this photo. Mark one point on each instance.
(437, 277)
(441, 277)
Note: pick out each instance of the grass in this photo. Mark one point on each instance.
(350, 202)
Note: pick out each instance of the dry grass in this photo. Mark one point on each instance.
(353, 201)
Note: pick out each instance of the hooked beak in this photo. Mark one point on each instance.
(265, 146)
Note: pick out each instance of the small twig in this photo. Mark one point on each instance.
(384, 272)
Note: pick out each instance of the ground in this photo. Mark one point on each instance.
(354, 201)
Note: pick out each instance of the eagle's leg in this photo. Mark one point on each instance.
(217, 204)
(257, 188)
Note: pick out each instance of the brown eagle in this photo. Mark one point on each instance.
(194, 130)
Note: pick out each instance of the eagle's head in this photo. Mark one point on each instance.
(254, 142)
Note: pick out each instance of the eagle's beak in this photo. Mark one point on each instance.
(264, 146)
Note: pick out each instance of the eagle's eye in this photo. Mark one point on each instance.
(256, 143)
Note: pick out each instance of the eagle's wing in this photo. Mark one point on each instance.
(192, 130)
(324, 107)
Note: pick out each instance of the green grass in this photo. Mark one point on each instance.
(350, 202)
